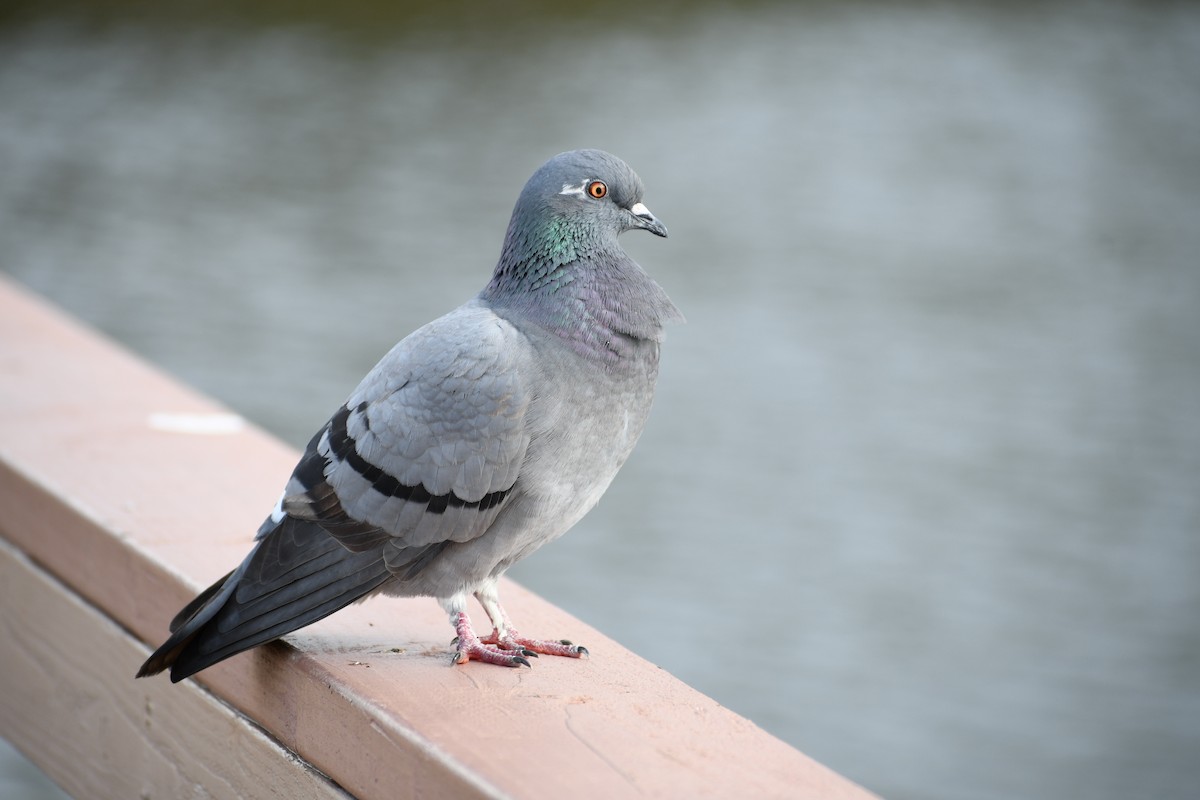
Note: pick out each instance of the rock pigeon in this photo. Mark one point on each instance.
(473, 442)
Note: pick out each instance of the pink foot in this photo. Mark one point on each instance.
(510, 650)
(531, 647)
(470, 648)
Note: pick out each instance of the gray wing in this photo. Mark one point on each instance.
(428, 447)
(426, 451)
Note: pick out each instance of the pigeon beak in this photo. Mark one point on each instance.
(642, 218)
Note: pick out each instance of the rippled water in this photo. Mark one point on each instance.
(921, 494)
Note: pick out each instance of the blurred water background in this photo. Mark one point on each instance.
(921, 493)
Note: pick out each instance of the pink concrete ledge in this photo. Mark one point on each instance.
(133, 493)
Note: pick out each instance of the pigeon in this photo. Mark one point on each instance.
(474, 441)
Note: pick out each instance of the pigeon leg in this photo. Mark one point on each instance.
(505, 636)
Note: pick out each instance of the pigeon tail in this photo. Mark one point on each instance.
(296, 575)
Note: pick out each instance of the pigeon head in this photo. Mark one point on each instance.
(574, 207)
(588, 192)
(561, 265)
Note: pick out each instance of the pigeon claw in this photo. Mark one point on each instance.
(514, 641)
(488, 655)
(509, 649)
(469, 647)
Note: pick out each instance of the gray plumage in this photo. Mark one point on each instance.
(474, 441)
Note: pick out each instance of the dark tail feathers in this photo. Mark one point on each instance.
(295, 575)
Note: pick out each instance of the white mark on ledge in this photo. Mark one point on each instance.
(200, 424)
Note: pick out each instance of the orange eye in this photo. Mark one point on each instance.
(597, 189)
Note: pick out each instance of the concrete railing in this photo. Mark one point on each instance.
(123, 493)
